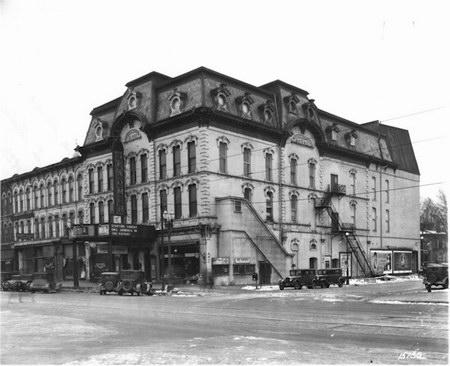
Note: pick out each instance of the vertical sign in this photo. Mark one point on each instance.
(119, 179)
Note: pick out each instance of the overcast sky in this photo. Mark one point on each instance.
(361, 60)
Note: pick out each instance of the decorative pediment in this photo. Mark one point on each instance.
(243, 104)
(291, 102)
(177, 101)
(220, 97)
(267, 111)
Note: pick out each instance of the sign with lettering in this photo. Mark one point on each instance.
(103, 229)
(102, 248)
(132, 135)
(79, 231)
(300, 139)
(119, 180)
(24, 236)
(243, 260)
(221, 260)
(124, 230)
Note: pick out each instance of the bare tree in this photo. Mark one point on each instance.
(433, 215)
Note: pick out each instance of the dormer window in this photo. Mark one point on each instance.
(133, 100)
(351, 138)
(99, 129)
(291, 102)
(267, 111)
(332, 132)
(176, 102)
(243, 103)
(219, 96)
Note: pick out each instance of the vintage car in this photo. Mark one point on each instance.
(299, 278)
(18, 282)
(436, 274)
(45, 282)
(330, 276)
(133, 282)
(108, 282)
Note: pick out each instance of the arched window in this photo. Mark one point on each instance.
(294, 201)
(269, 206)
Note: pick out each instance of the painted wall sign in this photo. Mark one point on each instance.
(300, 139)
(132, 135)
(243, 260)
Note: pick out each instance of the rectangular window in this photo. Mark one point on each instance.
(134, 209)
(144, 168)
(110, 177)
(177, 201)
(145, 210)
(312, 175)
(243, 269)
(388, 222)
(36, 198)
(247, 162)
(192, 158)
(374, 219)
(71, 189)
(248, 194)
(91, 180)
(101, 212)
(100, 178)
(80, 187)
(237, 206)
(163, 200)
(374, 188)
(110, 209)
(353, 209)
(269, 206)
(387, 191)
(49, 194)
(132, 170)
(36, 229)
(221, 269)
(162, 164)
(81, 217)
(294, 171)
(294, 208)
(223, 157)
(64, 191)
(269, 160)
(192, 200)
(353, 184)
(42, 196)
(92, 212)
(176, 152)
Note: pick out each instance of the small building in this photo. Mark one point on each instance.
(257, 179)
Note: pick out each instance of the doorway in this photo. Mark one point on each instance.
(265, 273)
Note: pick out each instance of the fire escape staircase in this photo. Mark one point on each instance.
(347, 230)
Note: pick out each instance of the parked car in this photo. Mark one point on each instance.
(5, 277)
(108, 282)
(133, 282)
(18, 282)
(436, 274)
(330, 276)
(46, 282)
(299, 278)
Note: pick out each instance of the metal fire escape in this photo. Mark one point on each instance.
(347, 230)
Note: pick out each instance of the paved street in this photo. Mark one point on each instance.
(391, 323)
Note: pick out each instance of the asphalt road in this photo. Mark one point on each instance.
(345, 325)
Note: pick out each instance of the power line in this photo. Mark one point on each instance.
(413, 114)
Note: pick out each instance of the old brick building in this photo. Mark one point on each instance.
(259, 179)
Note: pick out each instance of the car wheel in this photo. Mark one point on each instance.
(314, 284)
(432, 278)
(297, 285)
(429, 288)
(324, 284)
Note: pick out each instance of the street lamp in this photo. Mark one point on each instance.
(168, 223)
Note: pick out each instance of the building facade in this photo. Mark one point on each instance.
(259, 180)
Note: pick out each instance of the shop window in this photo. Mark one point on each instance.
(243, 269)
(221, 269)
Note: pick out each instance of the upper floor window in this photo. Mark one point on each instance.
(387, 191)
(91, 180)
(269, 206)
(248, 194)
(353, 212)
(100, 178)
(36, 198)
(192, 200)
(80, 187)
(42, 196)
(110, 177)
(28, 194)
(144, 168)
(110, 209)
(269, 167)
(163, 200)
(312, 174)
(176, 152)
(134, 212)
(63, 190)
(374, 188)
(388, 221)
(293, 167)
(49, 193)
(177, 202)
(223, 147)
(132, 170)
(80, 216)
(192, 159)
(294, 201)
(374, 219)
(92, 213)
(162, 164)
(145, 208)
(353, 182)
(71, 189)
(101, 212)
(247, 153)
